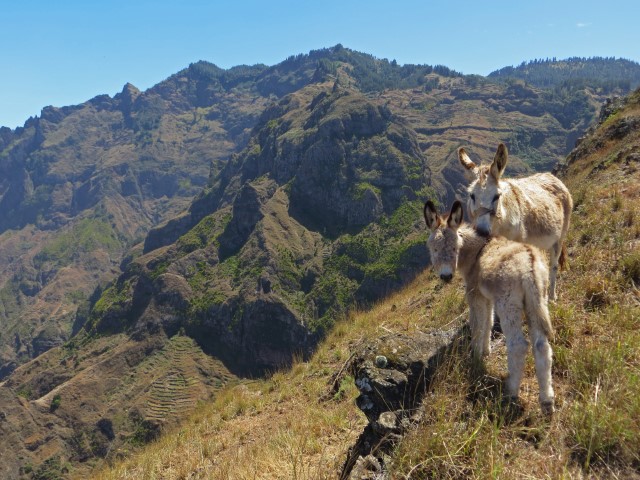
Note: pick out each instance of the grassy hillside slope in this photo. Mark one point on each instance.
(293, 425)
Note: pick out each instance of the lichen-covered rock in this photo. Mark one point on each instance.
(400, 384)
(391, 394)
(368, 468)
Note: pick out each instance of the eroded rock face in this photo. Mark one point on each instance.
(392, 374)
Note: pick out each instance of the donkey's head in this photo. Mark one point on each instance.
(484, 190)
(443, 242)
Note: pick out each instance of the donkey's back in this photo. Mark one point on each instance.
(534, 209)
(508, 269)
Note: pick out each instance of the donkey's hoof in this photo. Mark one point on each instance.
(547, 407)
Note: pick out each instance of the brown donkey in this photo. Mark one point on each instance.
(534, 209)
(502, 274)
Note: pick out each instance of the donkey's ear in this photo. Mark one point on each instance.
(465, 160)
(499, 161)
(455, 216)
(431, 215)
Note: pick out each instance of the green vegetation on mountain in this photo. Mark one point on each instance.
(373, 74)
(88, 235)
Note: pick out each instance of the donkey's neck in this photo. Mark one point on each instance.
(471, 245)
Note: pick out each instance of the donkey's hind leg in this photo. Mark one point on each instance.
(510, 314)
(543, 357)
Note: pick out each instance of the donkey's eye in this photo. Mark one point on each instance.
(473, 197)
(496, 197)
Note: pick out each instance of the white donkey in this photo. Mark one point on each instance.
(500, 273)
(534, 209)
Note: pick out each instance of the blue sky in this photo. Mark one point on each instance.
(65, 52)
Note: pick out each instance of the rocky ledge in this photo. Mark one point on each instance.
(393, 373)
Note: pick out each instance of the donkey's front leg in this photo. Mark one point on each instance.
(480, 321)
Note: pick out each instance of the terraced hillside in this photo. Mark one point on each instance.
(82, 403)
(175, 393)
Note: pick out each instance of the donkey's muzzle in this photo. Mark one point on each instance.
(483, 230)
(446, 276)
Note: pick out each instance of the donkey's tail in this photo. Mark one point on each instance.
(563, 259)
(538, 314)
(535, 303)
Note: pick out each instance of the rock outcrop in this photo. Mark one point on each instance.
(392, 374)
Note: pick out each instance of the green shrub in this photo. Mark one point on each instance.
(55, 403)
(50, 469)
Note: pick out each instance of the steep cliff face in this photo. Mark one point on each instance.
(336, 150)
